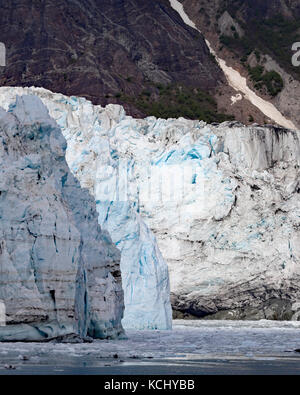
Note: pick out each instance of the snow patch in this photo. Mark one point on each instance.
(236, 98)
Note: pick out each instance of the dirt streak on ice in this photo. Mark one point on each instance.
(236, 81)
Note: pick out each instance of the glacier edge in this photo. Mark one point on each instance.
(231, 240)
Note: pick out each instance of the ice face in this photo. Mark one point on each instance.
(60, 272)
(218, 203)
(235, 79)
(93, 136)
(2, 313)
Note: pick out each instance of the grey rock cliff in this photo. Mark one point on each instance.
(59, 273)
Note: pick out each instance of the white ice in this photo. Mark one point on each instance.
(94, 137)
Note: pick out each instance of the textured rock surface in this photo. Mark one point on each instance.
(122, 52)
(100, 50)
(222, 201)
(59, 273)
(270, 27)
(288, 99)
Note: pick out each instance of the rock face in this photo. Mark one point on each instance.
(59, 273)
(228, 26)
(103, 51)
(269, 29)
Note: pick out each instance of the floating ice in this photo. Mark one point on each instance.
(236, 81)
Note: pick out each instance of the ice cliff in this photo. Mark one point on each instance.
(59, 273)
(222, 201)
(93, 157)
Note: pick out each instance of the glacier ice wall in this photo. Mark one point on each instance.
(59, 273)
(92, 154)
(221, 200)
(235, 79)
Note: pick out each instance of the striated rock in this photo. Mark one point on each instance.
(221, 200)
(109, 51)
(228, 26)
(287, 100)
(59, 273)
(265, 24)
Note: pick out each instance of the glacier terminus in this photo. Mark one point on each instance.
(217, 206)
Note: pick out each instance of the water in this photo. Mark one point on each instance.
(192, 347)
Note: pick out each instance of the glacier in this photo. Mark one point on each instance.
(59, 272)
(218, 203)
(93, 157)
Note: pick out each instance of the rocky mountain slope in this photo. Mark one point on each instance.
(142, 55)
(228, 223)
(132, 52)
(59, 273)
(256, 38)
(221, 200)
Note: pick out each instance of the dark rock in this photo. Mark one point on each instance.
(102, 50)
